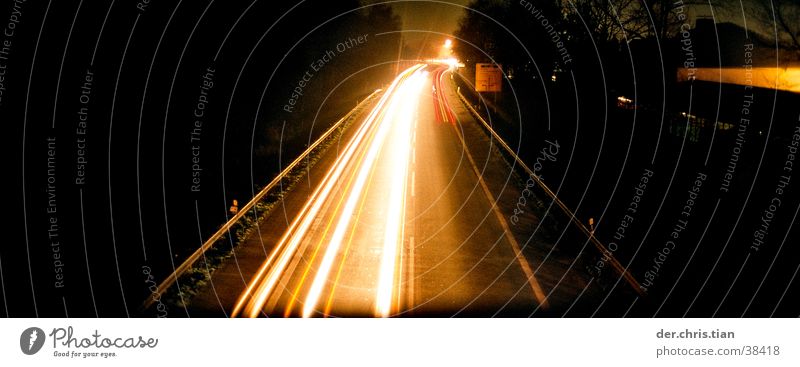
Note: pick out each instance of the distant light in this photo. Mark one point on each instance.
(625, 103)
(783, 78)
(448, 44)
(452, 62)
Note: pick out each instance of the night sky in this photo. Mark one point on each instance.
(424, 23)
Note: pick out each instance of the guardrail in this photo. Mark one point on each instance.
(600, 247)
(189, 262)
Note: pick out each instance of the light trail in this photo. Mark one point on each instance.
(395, 123)
(252, 299)
(388, 125)
(395, 219)
(347, 213)
(442, 107)
(359, 163)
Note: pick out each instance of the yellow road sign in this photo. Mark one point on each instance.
(488, 78)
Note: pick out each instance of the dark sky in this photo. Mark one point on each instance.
(423, 21)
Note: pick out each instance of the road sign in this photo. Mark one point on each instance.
(488, 78)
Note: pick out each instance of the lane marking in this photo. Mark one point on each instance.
(410, 272)
(387, 123)
(523, 263)
(387, 298)
(623, 271)
(329, 302)
(413, 180)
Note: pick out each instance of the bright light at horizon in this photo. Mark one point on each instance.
(785, 79)
(448, 44)
(450, 61)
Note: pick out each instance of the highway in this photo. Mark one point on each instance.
(404, 218)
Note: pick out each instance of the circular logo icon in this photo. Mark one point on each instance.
(31, 340)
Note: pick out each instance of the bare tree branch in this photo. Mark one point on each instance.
(780, 19)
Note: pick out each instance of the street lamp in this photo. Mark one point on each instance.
(447, 49)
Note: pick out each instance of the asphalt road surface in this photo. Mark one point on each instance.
(408, 215)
